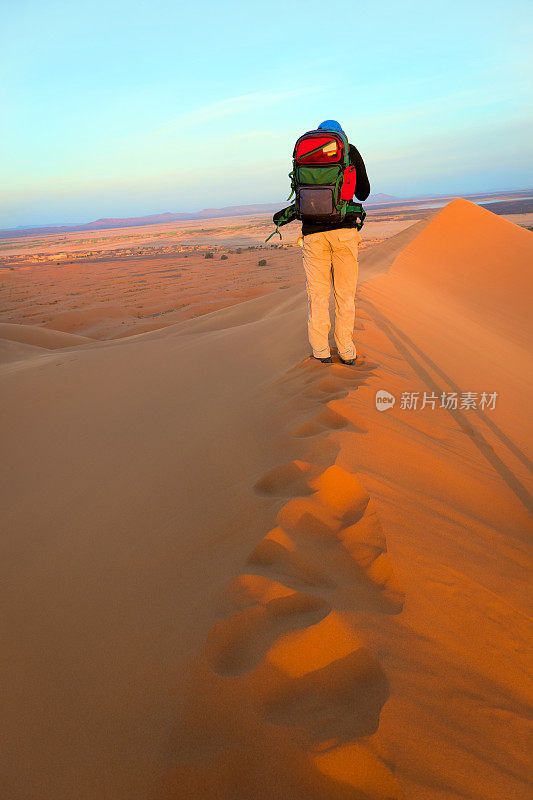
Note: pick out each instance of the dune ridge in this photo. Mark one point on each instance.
(37, 336)
(21, 342)
(285, 650)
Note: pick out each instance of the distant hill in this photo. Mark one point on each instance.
(377, 199)
(168, 216)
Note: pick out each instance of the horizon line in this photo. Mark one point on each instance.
(394, 200)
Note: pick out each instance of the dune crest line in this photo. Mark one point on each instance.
(284, 669)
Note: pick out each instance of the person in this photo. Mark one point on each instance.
(330, 262)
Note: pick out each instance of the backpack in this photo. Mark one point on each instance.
(322, 179)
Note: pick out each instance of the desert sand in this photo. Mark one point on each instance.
(133, 281)
(229, 575)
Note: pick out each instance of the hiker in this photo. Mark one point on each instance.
(327, 170)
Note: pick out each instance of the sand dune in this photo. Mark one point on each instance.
(16, 351)
(40, 337)
(482, 268)
(461, 293)
(230, 576)
(21, 342)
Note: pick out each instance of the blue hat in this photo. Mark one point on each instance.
(330, 125)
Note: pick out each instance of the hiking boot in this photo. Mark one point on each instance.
(349, 362)
(327, 360)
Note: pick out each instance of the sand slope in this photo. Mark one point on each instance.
(40, 337)
(17, 351)
(461, 293)
(20, 342)
(230, 576)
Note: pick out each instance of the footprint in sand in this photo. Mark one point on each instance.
(352, 772)
(287, 653)
(237, 644)
(326, 420)
(330, 541)
(321, 450)
(339, 379)
(288, 480)
(339, 529)
(331, 387)
(338, 500)
(323, 683)
(276, 554)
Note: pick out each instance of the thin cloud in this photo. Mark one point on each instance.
(231, 106)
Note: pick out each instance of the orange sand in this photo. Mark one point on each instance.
(109, 297)
(127, 286)
(228, 575)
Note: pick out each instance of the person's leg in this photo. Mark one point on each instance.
(317, 265)
(344, 243)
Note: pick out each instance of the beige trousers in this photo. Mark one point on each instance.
(330, 261)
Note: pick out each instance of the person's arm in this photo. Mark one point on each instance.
(362, 185)
(284, 216)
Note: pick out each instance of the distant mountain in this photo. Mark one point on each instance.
(168, 216)
(377, 199)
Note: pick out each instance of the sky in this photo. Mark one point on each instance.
(116, 109)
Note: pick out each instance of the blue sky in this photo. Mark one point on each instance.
(119, 108)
